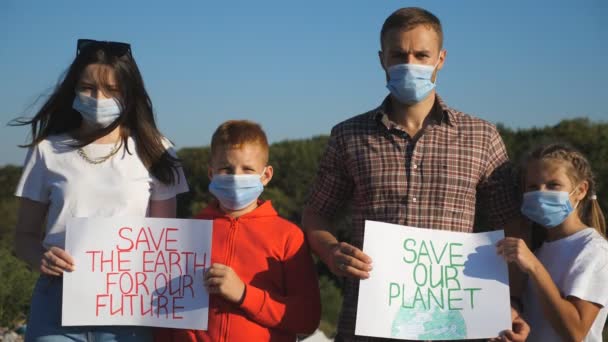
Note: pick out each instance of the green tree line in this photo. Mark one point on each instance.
(295, 163)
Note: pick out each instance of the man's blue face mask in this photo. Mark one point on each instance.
(411, 83)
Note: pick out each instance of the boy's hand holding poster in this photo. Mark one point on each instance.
(137, 271)
(432, 284)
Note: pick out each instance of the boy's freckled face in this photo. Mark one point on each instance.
(246, 159)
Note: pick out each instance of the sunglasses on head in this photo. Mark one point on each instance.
(117, 49)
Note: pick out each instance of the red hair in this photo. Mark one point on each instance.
(236, 133)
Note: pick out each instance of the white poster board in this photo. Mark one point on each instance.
(432, 285)
(137, 271)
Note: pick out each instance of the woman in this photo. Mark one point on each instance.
(95, 152)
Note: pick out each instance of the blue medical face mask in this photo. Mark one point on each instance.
(547, 208)
(411, 83)
(235, 192)
(99, 112)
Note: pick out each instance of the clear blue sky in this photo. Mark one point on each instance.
(300, 67)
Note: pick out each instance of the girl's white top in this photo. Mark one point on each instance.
(578, 265)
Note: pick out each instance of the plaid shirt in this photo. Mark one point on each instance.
(433, 181)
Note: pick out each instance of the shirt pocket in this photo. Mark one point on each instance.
(451, 181)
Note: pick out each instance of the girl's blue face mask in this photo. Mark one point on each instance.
(547, 208)
(235, 192)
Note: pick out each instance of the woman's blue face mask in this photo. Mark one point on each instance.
(98, 112)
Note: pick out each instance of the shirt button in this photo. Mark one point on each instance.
(414, 199)
(415, 166)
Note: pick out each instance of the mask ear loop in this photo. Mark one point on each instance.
(572, 192)
(438, 59)
(263, 172)
(435, 67)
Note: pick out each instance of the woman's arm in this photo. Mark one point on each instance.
(163, 208)
(28, 232)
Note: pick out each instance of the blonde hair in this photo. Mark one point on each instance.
(578, 170)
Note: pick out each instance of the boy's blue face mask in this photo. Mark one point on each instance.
(235, 192)
(547, 208)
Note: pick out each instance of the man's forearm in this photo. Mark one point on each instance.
(318, 234)
(322, 242)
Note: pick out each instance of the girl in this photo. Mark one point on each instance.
(95, 151)
(566, 296)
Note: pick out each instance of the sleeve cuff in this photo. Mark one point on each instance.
(589, 297)
(254, 300)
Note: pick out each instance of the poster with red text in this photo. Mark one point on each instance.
(137, 271)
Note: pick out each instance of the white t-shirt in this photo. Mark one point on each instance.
(578, 265)
(56, 174)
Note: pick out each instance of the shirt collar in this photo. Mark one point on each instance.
(440, 114)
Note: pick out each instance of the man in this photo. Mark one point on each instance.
(412, 161)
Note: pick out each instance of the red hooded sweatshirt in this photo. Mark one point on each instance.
(271, 257)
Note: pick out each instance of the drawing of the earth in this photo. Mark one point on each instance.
(433, 324)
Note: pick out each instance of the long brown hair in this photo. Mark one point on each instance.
(578, 170)
(56, 116)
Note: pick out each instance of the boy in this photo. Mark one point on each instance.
(262, 281)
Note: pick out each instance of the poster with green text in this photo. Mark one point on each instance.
(432, 285)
